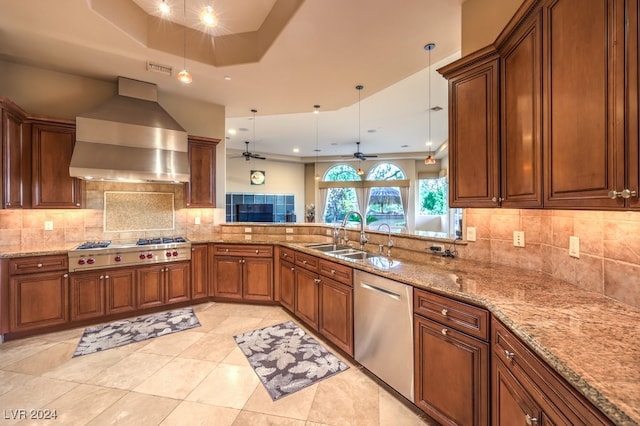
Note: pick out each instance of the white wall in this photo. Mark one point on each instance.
(281, 178)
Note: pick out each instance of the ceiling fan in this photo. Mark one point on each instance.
(249, 155)
(361, 156)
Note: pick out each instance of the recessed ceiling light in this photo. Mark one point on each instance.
(232, 131)
(296, 150)
(208, 17)
(164, 8)
(227, 78)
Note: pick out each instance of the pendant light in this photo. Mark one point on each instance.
(359, 88)
(164, 8)
(316, 111)
(184, 75)
(429, 160)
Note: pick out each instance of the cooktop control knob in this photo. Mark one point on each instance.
(91, 261)
(142, 256)
(175, 253)
(168, 254)
(149, 255)
(118, 258)
(81, 261)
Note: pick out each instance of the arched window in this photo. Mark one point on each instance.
(340, 200)
(385, 202)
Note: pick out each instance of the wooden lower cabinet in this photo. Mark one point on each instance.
(120, 291)
(307, 297)
(199, 272)
(451, 374)
(38, 300)
(87, 295)
(336, 313)
(243, 272)
(164, 284)
(287, 285)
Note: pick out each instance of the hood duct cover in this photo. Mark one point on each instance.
(130, 138)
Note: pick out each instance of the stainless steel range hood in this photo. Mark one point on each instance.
(130, 138)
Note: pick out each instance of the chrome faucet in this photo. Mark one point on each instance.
(363, 237)
(389, 241)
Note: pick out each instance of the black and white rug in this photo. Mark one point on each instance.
(120, 333)
(286, 359)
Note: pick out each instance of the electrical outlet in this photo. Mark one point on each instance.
(48, 225)
(518, 238)
(471, 233)
(247, 237)
(436, 248)
(288, 230)
(327, 232)
(197, 220)
(574, 247)
(247, 230)
(289, 237)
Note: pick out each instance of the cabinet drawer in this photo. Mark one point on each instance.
(287, 254)
(306, 261)
(336, 271)
(452, 313)
(243, 250)
(29, 265)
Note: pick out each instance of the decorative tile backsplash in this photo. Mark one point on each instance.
(138, 211)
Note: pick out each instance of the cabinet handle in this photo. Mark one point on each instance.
(304, 262)
(509, 355)
(444, 312)
(316, 280)
(39, 265)
(333, 272)
(444, 331)
(498, 199)
(284, 255)
(531, 421)
(625, 193)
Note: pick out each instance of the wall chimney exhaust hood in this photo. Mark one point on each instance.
(130, 138)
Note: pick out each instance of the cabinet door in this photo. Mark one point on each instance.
(16, 161)
(287, 285)
(38, 300)
(633, 102)
(584, 92)
(177, 282)
(336, 314)
(258, 278)
(87, 295)
(150, 286)
(451, 374)
(120, 290)
(512, 405)
(52, 147)
(521, 123)
(474, 160)
(199, 272)
(201, 189)
(228, 277)
(307, 294)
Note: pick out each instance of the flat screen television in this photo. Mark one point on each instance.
(254, 212)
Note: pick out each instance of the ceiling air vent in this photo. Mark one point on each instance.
(159, 68)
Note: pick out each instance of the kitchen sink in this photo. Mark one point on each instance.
(324, 247)
(356, 254)
(349, 253)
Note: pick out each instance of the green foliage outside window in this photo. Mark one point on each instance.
(433, 197)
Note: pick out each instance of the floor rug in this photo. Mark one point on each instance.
(120, 333)
(286, 359)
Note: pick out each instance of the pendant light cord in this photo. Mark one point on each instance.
(184, 33)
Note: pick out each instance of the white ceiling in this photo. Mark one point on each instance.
(321, 54)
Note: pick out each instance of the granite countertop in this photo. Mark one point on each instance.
(589, 339)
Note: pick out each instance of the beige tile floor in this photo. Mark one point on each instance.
(194, 377)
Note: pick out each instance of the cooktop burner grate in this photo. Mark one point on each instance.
(94, 244)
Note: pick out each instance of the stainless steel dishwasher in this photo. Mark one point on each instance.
(383, 330)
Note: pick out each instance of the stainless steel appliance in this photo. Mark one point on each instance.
(383, 330)
(102, 254)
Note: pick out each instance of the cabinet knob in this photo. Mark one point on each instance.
(106, 277)
(625, 193)
(444, 331)
(226, 250)
(102, 277)
(293, 269)
(257, 251)
(77, 204)
(284, 255)
(444, 312)
(193, 249)
(531, 421)
(239, 260)
(508, 355)
(498, 199)
(304, 262)
(65, 276)
(316, 280)
(333, 272)
(39, 265)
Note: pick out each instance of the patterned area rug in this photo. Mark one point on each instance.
(120, 333)
(286, 359)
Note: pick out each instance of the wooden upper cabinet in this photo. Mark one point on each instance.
(201, 189)
(521, 144)
(52, 147)
(474, 130)
(16, 159)
(584, 57)
(633, 98)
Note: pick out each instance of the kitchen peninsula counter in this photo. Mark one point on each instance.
(589, 339)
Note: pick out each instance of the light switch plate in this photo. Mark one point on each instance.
(471, 233)
(518, 238)
(247, 230)
(288, 230)
(48, 225)
(197, 220)
(574, 247)
(247, 237)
